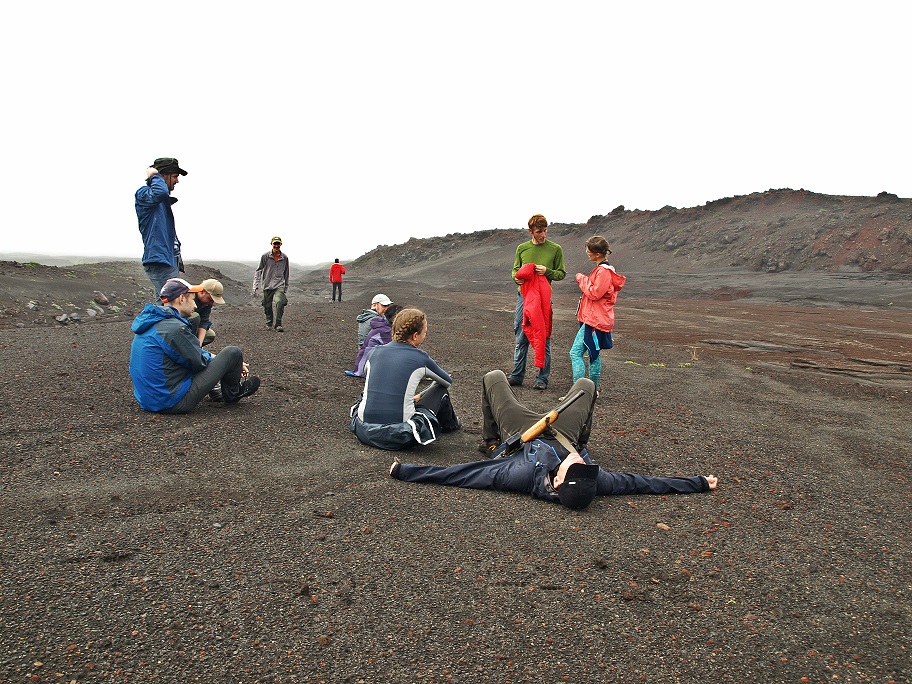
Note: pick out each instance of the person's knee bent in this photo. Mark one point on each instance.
(234, 354)
(586, 385)
(492, 377)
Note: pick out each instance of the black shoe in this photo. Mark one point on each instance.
(539, 386)
(269, 325)
(243, 389)
(279, 328)
(514, 382)
(215, 394)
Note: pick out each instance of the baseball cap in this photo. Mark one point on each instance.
(214, 288)
(168, 165)
(275, 240)
(175, 287)
(382, 299)
(578, 488)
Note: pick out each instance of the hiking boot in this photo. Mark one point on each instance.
(215, 394)
(514, 382)
(488, 446)
(539, 385)
(243, 389)
(279, 328)
(268, 325)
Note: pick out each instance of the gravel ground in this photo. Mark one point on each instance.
(263, 543)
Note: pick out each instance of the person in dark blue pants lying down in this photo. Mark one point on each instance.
(555, 466)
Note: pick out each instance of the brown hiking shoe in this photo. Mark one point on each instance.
(487, 447)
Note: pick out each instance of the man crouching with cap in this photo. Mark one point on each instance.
(171, 372)
(554, 466)
(200, 320)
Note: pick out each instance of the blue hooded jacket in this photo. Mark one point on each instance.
(164, 357)
(156, 221)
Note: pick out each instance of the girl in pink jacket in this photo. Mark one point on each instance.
(596, 310)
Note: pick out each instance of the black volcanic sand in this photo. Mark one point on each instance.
(263, 543)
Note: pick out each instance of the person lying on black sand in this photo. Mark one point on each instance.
(554, 466)
(574, 481)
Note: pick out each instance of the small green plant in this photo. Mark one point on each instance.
(633, 363)
(657, 365)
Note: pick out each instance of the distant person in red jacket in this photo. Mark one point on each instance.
(336, 272)
(596, 310)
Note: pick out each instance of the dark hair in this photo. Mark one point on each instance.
(598, 245)
(391, 311)
(408, 322)
(337, 261)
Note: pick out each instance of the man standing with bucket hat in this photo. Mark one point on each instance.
(161, 248)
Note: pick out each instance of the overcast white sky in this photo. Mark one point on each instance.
(343, 125)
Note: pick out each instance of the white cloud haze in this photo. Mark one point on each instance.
(341, 126)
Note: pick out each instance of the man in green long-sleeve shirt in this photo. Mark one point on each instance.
(548, 258)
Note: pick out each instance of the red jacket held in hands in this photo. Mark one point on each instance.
(537, 313)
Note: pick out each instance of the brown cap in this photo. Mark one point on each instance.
(215, 289)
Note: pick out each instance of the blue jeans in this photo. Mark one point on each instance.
(579, 365)
(522, 349)
(159, 274)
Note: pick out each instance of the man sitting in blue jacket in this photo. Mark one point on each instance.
(171, 372)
